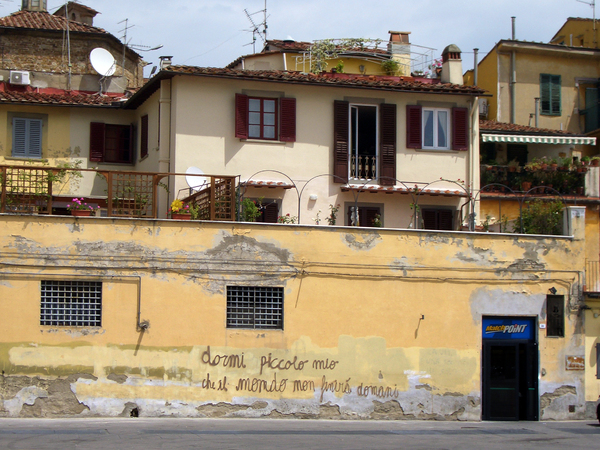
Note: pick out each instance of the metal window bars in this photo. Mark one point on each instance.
(254, 307)
(71, 303)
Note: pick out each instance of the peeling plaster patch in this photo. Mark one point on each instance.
(526, 264)
(497, 302)
(244, 248)
(26, 396)
(117, 378)
(542, 246)
(555, 404)
(404, 264)
(361, 242)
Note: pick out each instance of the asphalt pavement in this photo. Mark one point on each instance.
(284, 434)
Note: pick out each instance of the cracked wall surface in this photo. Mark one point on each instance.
(384, 324)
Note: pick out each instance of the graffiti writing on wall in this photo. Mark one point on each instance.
(279, 384)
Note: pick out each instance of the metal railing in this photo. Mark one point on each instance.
(363, 167)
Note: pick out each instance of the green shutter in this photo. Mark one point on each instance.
(550, 94)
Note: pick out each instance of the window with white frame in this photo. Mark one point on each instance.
(436, 128)
(255, 307)
(71, 303)
(27, 137)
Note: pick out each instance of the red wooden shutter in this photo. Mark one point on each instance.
(287, 108)
(97, 133)
(340, 141)
(241, 116)
(144, 136)
(388, 145)
(413, 126)
(460, 129)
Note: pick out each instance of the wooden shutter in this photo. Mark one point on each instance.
(555, 94)
(413, 126)
(144, 136)
(388, 145)
(132, 143)
(445, 220)
(35, 138)
(545, 93)
(97, 134)
(270, 213)
(287, 108)
(438, 219)
(19, 145)
(340, 141)
(460, 129)
(241, 116)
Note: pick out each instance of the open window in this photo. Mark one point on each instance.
(111, 143)
(364, 142)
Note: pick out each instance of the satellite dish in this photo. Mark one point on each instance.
(103, 62)
(195, 182)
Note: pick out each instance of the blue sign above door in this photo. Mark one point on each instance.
(508, 328)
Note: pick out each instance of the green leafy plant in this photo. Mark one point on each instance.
(251, 209)
(390, 66)
(333, 212)
(540, 217)
(377, 221)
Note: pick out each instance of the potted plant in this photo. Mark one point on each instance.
(585, 160)
(595, 161)
(513, 165)
(79, 208)
(251, 209)
(180, 210)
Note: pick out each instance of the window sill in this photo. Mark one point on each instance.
(436, 150)
(24, 158)
(264, 141)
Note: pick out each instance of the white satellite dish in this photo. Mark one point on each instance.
(103, 62)
(193, 181)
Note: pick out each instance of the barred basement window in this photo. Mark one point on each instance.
(555, 312)
(255, 307)
(71, 303)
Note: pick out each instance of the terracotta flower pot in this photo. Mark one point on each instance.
(81, 212)
(181, 216)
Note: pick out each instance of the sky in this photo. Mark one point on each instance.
(213, 33)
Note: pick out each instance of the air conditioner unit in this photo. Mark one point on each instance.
(19, 77)
(483, 107)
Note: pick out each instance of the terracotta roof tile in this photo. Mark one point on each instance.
(387, 83)
(268, 184)
(493, 126)
(404, 190)
(44, 21)
(64, 99)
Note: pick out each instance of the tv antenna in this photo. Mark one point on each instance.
(592, 3)
(256, 28)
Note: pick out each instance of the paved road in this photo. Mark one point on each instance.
(248, 434)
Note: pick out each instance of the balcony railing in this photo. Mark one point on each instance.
(565, 182)
(363, 167)
(34, 190)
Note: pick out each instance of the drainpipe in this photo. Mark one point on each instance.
(513, 77)
(475, 62)
(537, 112)
(164, 144)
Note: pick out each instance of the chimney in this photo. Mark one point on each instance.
(165, 61)
(399, 49)
(34, 5)
(452, 65)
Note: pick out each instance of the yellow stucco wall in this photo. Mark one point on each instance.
(396, 311)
